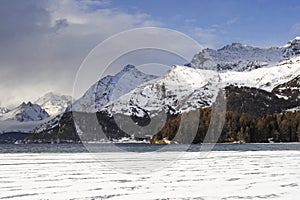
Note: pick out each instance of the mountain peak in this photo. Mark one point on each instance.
(180, 87)
(186, 75)
(54, 103)
(54, 95)
(129, 67)
(179, 69)
(237, 57)
(50, 94)
(24, 104)
(3, 110)
(292, 42)
(26, 112)
(296, 39)
(109, 88)
(292, 48)
(237, 44)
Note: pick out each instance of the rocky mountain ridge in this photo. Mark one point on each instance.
(239, 57)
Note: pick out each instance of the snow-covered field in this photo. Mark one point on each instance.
(218, 175)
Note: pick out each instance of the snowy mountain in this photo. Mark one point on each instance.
(184, 88)
(110, 88)
(26, 112)
(292, 48)
(239, 57)
(28, 116)
(181, 89)
(54, 104)
(23, 118)
(3, 110)
(50, 124)
(264, 78)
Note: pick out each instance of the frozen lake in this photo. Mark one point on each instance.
(222, 174)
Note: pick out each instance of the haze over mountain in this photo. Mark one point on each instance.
(27, 116)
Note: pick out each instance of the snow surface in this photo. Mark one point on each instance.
(227, 175)
(293, 109)
(54, 104)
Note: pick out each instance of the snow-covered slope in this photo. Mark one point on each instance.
(23, 118)
(28, 116)
(238, 57)
(48, 124)
(54, 104)
(3, 110)
(265, 78)
(184, 88)
(26, 112)
(110, 88)
(181, 89)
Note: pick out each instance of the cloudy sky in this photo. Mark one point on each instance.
(43, 43)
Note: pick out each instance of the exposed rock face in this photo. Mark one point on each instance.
(292, 48)
(255, 102)
(289, 90)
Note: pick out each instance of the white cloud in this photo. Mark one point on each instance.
(109, 19)
(44, 42)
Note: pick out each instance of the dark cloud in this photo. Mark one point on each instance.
(60, 23)
(22, 18)
(44, 42)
